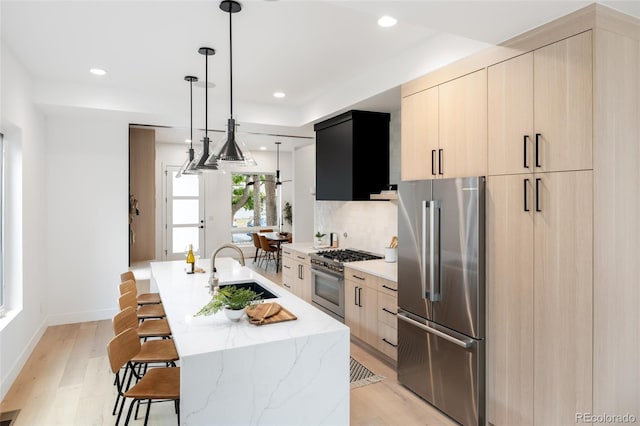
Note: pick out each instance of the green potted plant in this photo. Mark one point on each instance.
(288, 213)
(319, 238)
(232, 300)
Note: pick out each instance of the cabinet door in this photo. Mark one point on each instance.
(510, 116)
(304, 283)
(510, 299)
(351, 307)
(563, 283)
(419, 147)
(563, 104)
(368, 299)
(463, 126)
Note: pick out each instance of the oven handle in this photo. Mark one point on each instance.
(328, 276)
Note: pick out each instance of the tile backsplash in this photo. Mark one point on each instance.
(369, 225)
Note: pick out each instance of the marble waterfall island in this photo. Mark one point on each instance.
(236, 373)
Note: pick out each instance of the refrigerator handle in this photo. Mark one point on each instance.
(434, 250)
(423, 251)
(462, 343)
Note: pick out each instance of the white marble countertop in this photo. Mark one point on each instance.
(186, 294)
(305, 248)
(378, 267)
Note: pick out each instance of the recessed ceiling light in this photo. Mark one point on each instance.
(263, 148)
(387, 21)
(279, 95)
(187, 140)
(97, 71)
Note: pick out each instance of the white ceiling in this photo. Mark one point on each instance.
(327, 56)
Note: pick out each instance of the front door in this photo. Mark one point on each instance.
(184, 209)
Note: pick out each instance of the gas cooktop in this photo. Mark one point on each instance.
(346, 255)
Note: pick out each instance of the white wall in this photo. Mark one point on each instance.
(25, 213)
(303, 205)
(87, 222)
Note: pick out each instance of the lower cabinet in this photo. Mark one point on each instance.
(371, 307)
(296, 273)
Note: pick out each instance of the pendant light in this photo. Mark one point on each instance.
(233, 151)
(188, 168)
(205, 162)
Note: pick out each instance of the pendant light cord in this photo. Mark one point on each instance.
(191, 111)
(206, 94)
(230, 64)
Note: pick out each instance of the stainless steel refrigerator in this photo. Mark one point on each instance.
(441, 297)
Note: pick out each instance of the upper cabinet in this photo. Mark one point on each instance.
(352, 156)
(540, 109)
(444, 129)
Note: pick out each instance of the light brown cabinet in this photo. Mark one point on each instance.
(360, 312)
(371, 306)
(540, 109)
(296, 274)
(539, 257)
(444, 129)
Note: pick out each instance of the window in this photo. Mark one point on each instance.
(1, 224)
(253, 205)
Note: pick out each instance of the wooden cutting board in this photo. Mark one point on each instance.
(268, 313)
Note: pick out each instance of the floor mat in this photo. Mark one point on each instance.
(361, 375)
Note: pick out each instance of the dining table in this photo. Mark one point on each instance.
(278, 239)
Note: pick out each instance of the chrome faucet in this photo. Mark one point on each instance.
(213, 278)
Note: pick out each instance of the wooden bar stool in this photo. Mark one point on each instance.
(143, 298)
(153, 328)
(143, 312)
(157, 384)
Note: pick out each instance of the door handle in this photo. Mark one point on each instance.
(355, 295)
(537, 143)
(440, 161)
(538, 209)
(360, 296)
(462, 343)
(524, 149)
(384, 339)
(433, 162)
(526, 182)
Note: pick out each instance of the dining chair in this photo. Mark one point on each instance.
(156, 385)
(271, 252)
(143, 298)
(257, 245)
(143, 312)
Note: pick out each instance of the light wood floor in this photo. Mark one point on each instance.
(67, 381)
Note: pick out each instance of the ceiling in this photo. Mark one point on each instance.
(327, 56)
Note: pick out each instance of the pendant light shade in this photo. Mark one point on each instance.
(205, 162)
(233, 150)
(189, 166)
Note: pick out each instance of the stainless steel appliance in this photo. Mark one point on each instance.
(327, 278)
(441, 294)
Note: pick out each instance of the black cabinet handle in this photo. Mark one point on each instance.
(355, 276)
(384, 339)
(389, 288)
(360, 296)
(440, 161)
(538, 195)
(537, 156)
(433, 162)
(286, 285)
(524, 149)
(526, 182)
(286, 266)
(388, 311)
(355, 296)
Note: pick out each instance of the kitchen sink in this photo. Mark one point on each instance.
(253, 285)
